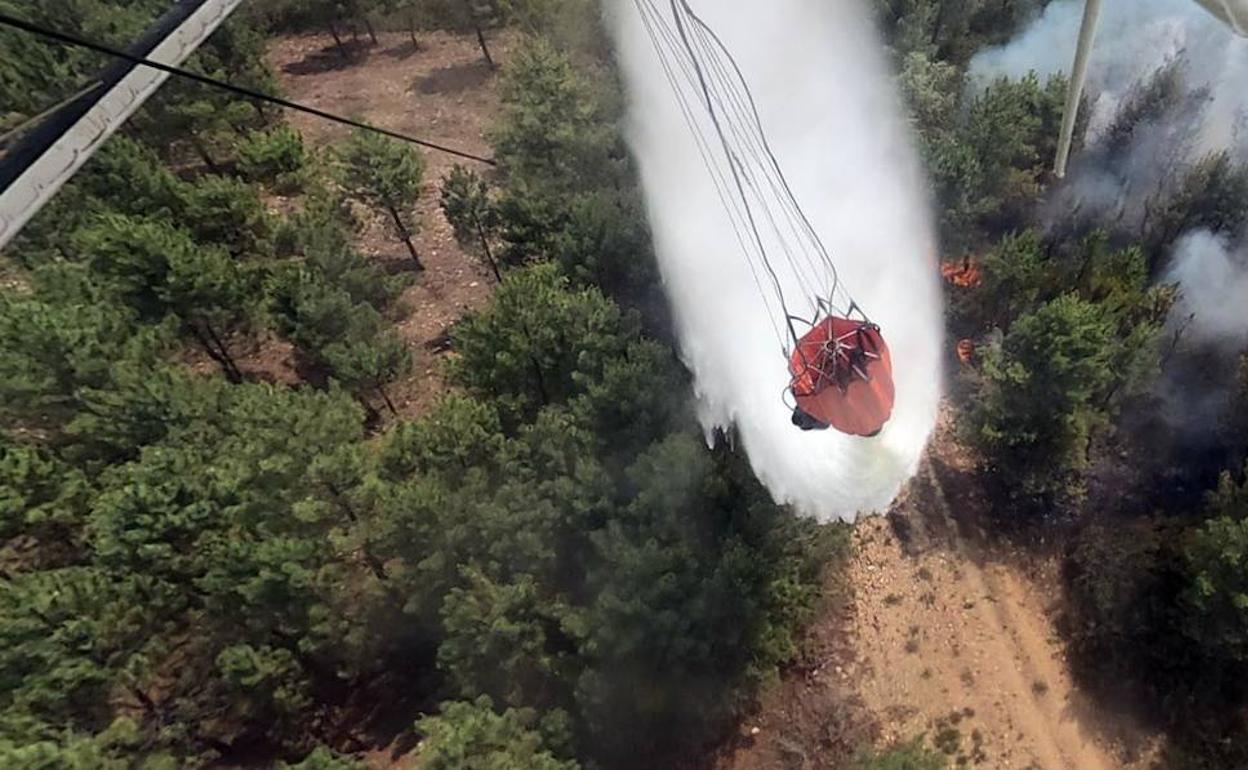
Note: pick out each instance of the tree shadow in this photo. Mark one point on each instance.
(331, 58)
(1117, 710)
(396, 264)
(456, 78)
(939, 511)
(402, 51)
(310, 371)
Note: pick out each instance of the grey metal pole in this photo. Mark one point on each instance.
(1078, 78)
(34, 184)
(1232, 12)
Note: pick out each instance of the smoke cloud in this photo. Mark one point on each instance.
(1118, 183)
(1213, 276)
(1135, 40)
(823, 88)
(1119, 188)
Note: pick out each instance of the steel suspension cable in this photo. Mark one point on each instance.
(770, 154)
(755, 147)
(807, 273)
(778, 182)
(659, 33)
(237, 90)
(684, 36)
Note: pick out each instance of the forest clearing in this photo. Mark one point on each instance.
(477, 385)
(456, 91)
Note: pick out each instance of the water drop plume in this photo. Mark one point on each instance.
(831, 112)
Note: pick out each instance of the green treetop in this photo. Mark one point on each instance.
(1041, 399)
(386, 175)
(472, 736)
(537, 342)
(159, 271)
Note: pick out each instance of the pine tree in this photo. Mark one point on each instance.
(369, 359)
(44, 498)
(322, 759)
(509, 641)
(274, 156)
(1042, 400)
(386, 175)
(482, 14)
(537, 342)
(49, 351)
(66, 638)
(467, 206)
(546, 139)
(472, 736)
(219, 210)
(159, 271)
(327, 248)
(223, 517)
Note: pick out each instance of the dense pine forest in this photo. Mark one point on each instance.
(202, 565)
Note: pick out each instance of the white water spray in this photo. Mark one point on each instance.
(819, 75)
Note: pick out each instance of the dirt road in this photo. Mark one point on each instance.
(942, 638)
(965, 652)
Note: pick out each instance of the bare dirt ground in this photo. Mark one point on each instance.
(443, 93)
(945, 637)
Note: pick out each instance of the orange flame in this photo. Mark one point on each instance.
(966, 351)
(963, 273)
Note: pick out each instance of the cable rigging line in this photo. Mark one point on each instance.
(724, 94)
(237, 90)
(656, 27)
(659, 32)
(753, 145)
(758, 238)
(789, 196)
(740, 152)
(740, 100)
(763, 203)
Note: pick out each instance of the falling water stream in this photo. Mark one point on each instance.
(829, 105)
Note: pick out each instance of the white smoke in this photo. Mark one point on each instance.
(820, 77)
(1136, 40)
(1213, 277)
